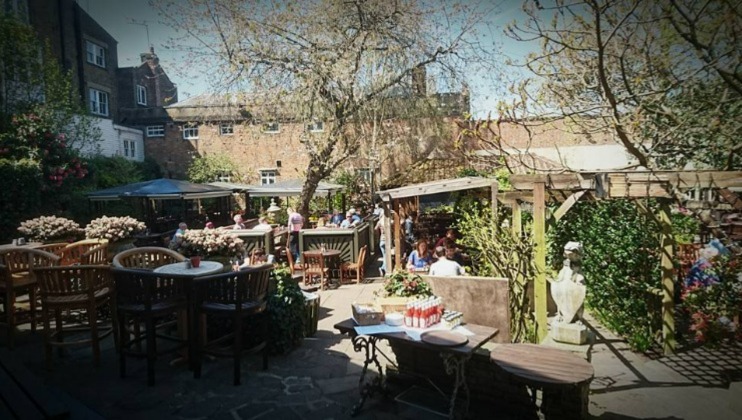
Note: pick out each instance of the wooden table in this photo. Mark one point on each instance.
(544, 368)
(332, 261)
(205, 268)
(454, 358)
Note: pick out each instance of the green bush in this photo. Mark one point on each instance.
(621, 264)
(286, 312)
(21, 198)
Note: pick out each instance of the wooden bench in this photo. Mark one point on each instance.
(561, 376)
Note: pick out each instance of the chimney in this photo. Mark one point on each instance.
(150, 57)
(419, 84)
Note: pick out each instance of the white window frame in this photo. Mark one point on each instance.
(272, 127)
(316, 127)
(155, 131)
(190, 132)
(141, 95)
(126, 148)
(226, 129)
(99, 101)
(268, 176)
(96, 54)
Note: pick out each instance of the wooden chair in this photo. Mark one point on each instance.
(296, 269)
(146, 258)
(238, 296)
(147, 297)
(72, 253)
(54, 248)
(358, 268)
(17, 279)
(314, 266)
(86, 287)
(95, 256)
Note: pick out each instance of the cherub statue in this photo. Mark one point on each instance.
(568, 289)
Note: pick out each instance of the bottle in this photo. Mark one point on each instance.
(408, 315)
(416, 316)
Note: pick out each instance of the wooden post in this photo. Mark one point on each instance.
(397, 236)
(388, 238)
(539, 236)
(668, 280)
(493, 197)
(517, 229)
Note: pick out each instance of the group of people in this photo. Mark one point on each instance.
(445, 260)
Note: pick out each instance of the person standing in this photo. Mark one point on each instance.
(296, 223)
(382, 243)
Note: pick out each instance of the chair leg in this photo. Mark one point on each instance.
(93, 320)
(123, 343)
(10, 317)
(58, 326)
(149, 325)
(47, 338)
(32, 307)
(237, 349)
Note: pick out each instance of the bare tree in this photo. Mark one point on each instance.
(353, 63)
(662, 78)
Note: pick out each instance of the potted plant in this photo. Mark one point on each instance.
(118, 231)
(51, 229)
(215, 244)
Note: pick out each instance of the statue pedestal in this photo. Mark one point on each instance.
(569, 333)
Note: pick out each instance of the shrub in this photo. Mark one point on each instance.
(209, 242)
(50, 228)
(20, 198)
(286, 312)
(404, 284)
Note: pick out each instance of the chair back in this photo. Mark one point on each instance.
(140, 287)
(362, 256)
(54, 248)
(146, 258)
(292, 264)
(23, 259)
(236, 287)
(313, 261)
(95, 256)
(5, 277)
(72, 253)
(72, 281)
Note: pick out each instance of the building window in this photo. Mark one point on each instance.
(365, 174)
(130, 148)
(98, 102)
(96, 54)
(316, 127)
(190, 132)
(267, 177)
(141, 95)
(155, 131)
(271, 127)
(226, 129)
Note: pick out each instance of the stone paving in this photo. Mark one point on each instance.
(319, 380)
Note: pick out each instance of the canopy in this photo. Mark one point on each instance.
(162, 189)
(291, 188)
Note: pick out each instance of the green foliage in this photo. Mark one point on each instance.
(209, 168)
(107, 172)
(620, 265)
(286, 312)
(21, 198)
(403, 284)
(501, 173)
(684, 227)
(496, 252)
(355, 190)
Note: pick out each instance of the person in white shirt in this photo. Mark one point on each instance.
(444, 266)
(348, 222)
(263, 225)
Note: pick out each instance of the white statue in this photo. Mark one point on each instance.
(568, 289)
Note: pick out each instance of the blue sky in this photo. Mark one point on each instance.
(119, 17)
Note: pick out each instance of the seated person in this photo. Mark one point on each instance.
(258, 258)
(450, 234)
(444, 266)
(178, 236)
(348, 222)
(420, 257)
(238, 222)
(337, 218)
(356, 218)
(263, 224)
(452, 251)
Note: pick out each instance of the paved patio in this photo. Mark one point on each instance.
(319, 380)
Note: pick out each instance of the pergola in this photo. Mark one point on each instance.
(568, 188)
(287, 188)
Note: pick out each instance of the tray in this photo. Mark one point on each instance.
(444, 338)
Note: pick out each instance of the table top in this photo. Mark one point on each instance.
(325, 253)
(26, 245)
(542, 366)
(482, 335)
(206, 267)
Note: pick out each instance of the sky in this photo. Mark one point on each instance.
(125, 20)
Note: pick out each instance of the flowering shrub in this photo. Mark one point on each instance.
(114, 228)
(209, 242)
(404, 284)
(712, 297)
(49, 228)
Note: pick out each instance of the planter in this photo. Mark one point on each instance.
(120, 245)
